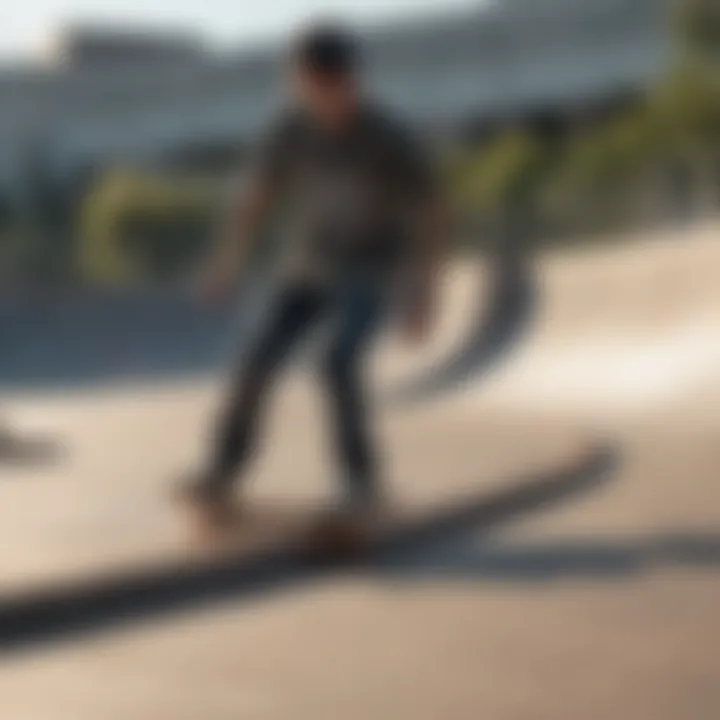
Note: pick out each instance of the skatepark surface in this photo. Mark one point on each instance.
(595, 598)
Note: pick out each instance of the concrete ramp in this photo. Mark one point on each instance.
(625, 332)
(625, 328)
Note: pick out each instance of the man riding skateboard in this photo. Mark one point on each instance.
(367, 227)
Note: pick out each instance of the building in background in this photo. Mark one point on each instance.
(111, 96)
(114, 126)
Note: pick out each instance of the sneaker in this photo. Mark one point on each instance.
(212, 505)
(345, 529)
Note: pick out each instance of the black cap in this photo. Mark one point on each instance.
(326, 50)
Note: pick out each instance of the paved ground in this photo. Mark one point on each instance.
(601, 606)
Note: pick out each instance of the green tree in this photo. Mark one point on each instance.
(136, 226)
(699, 28)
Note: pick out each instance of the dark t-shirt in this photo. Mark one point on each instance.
(351, 197)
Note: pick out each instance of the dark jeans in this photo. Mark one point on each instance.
(354, 311)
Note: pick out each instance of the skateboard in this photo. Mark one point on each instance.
(310, 528)
(320, 530)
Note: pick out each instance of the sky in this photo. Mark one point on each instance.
(26, 26)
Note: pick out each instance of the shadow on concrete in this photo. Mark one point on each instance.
(57, 612)
(544, 562)
(29, 450)
(91, 337)
(500, 323)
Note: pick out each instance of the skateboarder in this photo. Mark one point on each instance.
(368, 222)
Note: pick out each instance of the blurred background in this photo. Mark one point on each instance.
(116, 139)
(579, 143)
(554, 122)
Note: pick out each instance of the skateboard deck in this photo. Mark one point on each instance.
(254, 526)
(324, 531)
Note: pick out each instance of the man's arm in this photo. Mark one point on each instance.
(430, 223)
(237, 237)
(426, 267)
(249, 212)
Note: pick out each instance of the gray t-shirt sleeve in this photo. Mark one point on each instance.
(269, 161)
